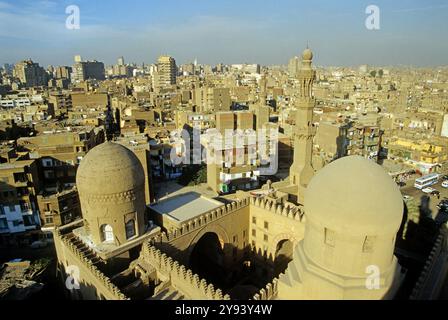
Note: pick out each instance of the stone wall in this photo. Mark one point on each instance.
(181, 278)
(93, 283)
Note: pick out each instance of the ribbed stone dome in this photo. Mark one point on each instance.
(109, 168)
(111, 185)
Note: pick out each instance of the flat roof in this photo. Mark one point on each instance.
(185, 206)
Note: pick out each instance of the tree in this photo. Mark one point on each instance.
(380, 73)
(193, 175)
(373, 73)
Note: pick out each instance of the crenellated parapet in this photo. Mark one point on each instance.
(287, 211)
(181, 277)
(439, 249)
(269, 292)
(94, 271)
(202, 220)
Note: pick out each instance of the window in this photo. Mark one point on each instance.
(12, 208)
(244, 233)
(107, 233)
(47, 163)
(329, 237)
(265, 237)
(49, 220)
(130, 229)
(235, 239)
(266, 225)
(254, 233)
(28, 221)
(17, 223)
(254, 220)
(3, 223)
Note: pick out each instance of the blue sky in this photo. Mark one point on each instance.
(229, 31)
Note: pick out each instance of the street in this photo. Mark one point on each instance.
(417, 194)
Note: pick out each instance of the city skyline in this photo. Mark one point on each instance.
(267, 34)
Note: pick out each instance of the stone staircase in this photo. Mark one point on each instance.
(86, 251)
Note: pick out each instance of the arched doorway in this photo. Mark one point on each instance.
(207, 259)
(107, 233)
(283, 255)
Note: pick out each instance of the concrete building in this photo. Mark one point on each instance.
(60, 153)
(166, 71)
(208, 99)
(86, 70)
(19, 186)
(58, 209)
(63, 72)
(30, 74)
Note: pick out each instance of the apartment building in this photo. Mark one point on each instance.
(19, 215)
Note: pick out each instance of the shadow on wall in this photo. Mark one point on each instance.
(241, 273)
(414, 243)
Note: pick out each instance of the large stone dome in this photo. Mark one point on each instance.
(354, 195)
(111, 184)
(109, 168)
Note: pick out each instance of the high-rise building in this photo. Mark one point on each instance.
(30, 73)
(212, 99)
(63, 72)
(293, 66)
(120, 61)
(88, 70)
(166, 70)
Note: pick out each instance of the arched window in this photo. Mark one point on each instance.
(107, 233)
(130, 229)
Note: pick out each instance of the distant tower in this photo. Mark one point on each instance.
(167, 71)
(78, 58)
(109, 124)
(121, 61)
(302, 170)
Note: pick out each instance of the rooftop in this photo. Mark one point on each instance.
(185, 206)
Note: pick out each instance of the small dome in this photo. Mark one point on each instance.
(109, 168)
(307, 55)
(354, 195)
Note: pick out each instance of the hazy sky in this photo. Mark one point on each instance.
(229, 31)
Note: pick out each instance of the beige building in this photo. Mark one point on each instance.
(208, 99)
(166, 71)
(30, 74)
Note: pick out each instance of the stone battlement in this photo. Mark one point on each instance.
(200, 221)
(181, 277)
(113, 289)
(288, 211)
(269, 292)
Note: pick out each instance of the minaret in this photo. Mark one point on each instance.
(302, 171)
